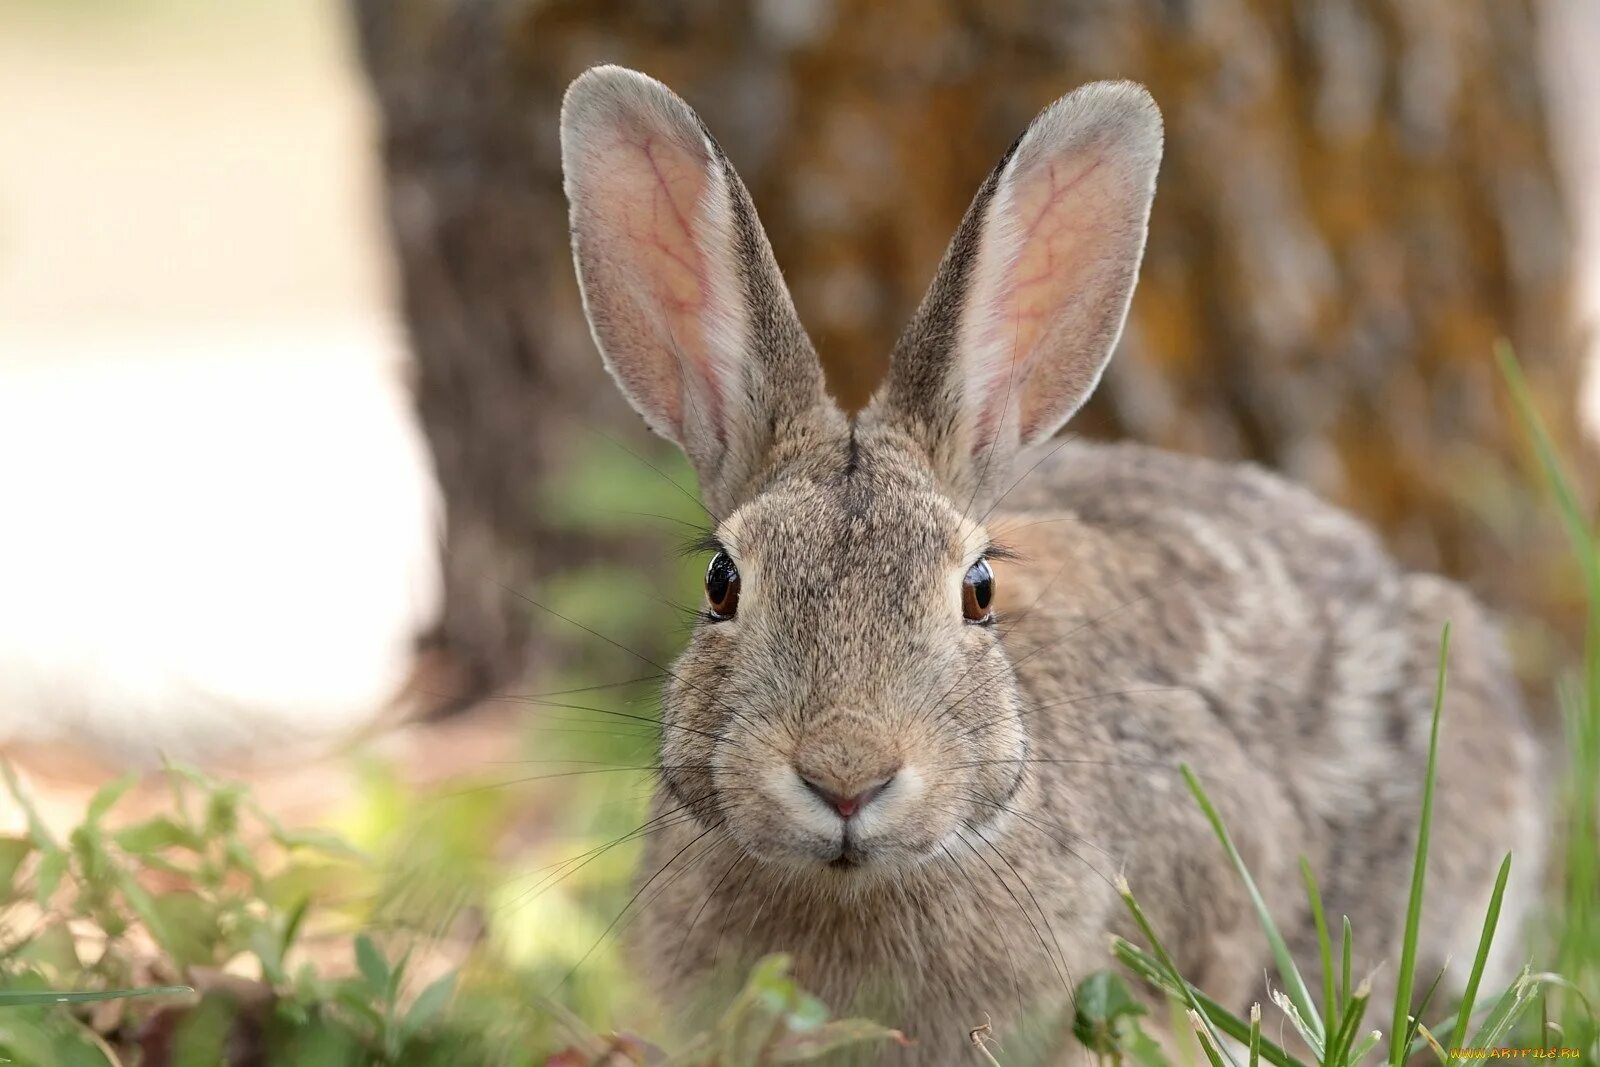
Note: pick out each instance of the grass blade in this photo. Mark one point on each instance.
(1355, 1009)
(1408, 949)
(1346, 937)
(1507, 1009)
(1151, 970)
(1490, 921)
(1203, 1035)
(1572, 514)
(1359, 1053)
(1160, 950)
(1429, 1038)
(1422, 1008)
(1287, 972)
(1324, 947)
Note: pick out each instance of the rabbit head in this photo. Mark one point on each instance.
(845, 702)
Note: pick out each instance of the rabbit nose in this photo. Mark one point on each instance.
(847, 799)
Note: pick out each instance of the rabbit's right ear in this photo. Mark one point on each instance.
(1029, 301)
(683, 296)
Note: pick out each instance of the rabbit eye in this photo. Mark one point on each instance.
(722, 586)
(977, 592)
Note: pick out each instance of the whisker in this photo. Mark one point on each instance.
(1063, 441)
(738, 861)
(715, 738)
(1005, 941)
(770, 895)
(637, 655)
(1005, 405)
(653, 515)
(653, 768)
(1102, 617)
(643, 678)
(1064, 970)
(664, 475)
(631, 901)
(984, 655)
(671, 817)
(1034, 709)
(1054, 642)
(1047, 827)
(1008, 761)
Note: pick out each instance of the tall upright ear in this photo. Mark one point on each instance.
(1030, 299)
(683, 297)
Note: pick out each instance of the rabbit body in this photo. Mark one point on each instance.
(950, 666)
(1168, 611)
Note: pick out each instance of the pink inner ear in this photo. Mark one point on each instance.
(1039, 262)
(654, 189)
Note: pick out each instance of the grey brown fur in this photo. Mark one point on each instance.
(1160, 610)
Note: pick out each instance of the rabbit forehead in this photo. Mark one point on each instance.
(872, 540)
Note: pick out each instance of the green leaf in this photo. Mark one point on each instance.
(107, 795)
(831, 1037)
(806, 1012)
(374, 968)
(154, 835)
(320, 841)
(222, 810)
(47, 876)
(357, 998)
(291, 925)
(1103, 1000)
(53, 948)
(13, 851)
(429, 1004)
(143, 905)
(1139, 1046)
(189, 927)
(36, 828)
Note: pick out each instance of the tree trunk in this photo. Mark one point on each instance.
(1357, 200)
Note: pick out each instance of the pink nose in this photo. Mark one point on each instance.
(848, 805)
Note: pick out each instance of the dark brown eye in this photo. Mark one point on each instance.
(977, 592)
(722, 586)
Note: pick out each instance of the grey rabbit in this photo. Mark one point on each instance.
(948, 666)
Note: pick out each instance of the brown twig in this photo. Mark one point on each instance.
(977, 1036)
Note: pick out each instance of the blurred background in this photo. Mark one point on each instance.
(310, 476)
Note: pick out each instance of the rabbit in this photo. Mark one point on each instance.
(949, 664)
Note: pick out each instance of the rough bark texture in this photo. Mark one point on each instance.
(1357, 200)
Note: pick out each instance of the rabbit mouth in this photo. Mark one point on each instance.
(850, 856)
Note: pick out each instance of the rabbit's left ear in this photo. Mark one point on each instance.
(679, 284)
(1030, 298)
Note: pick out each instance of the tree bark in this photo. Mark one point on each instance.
(1357, 200)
